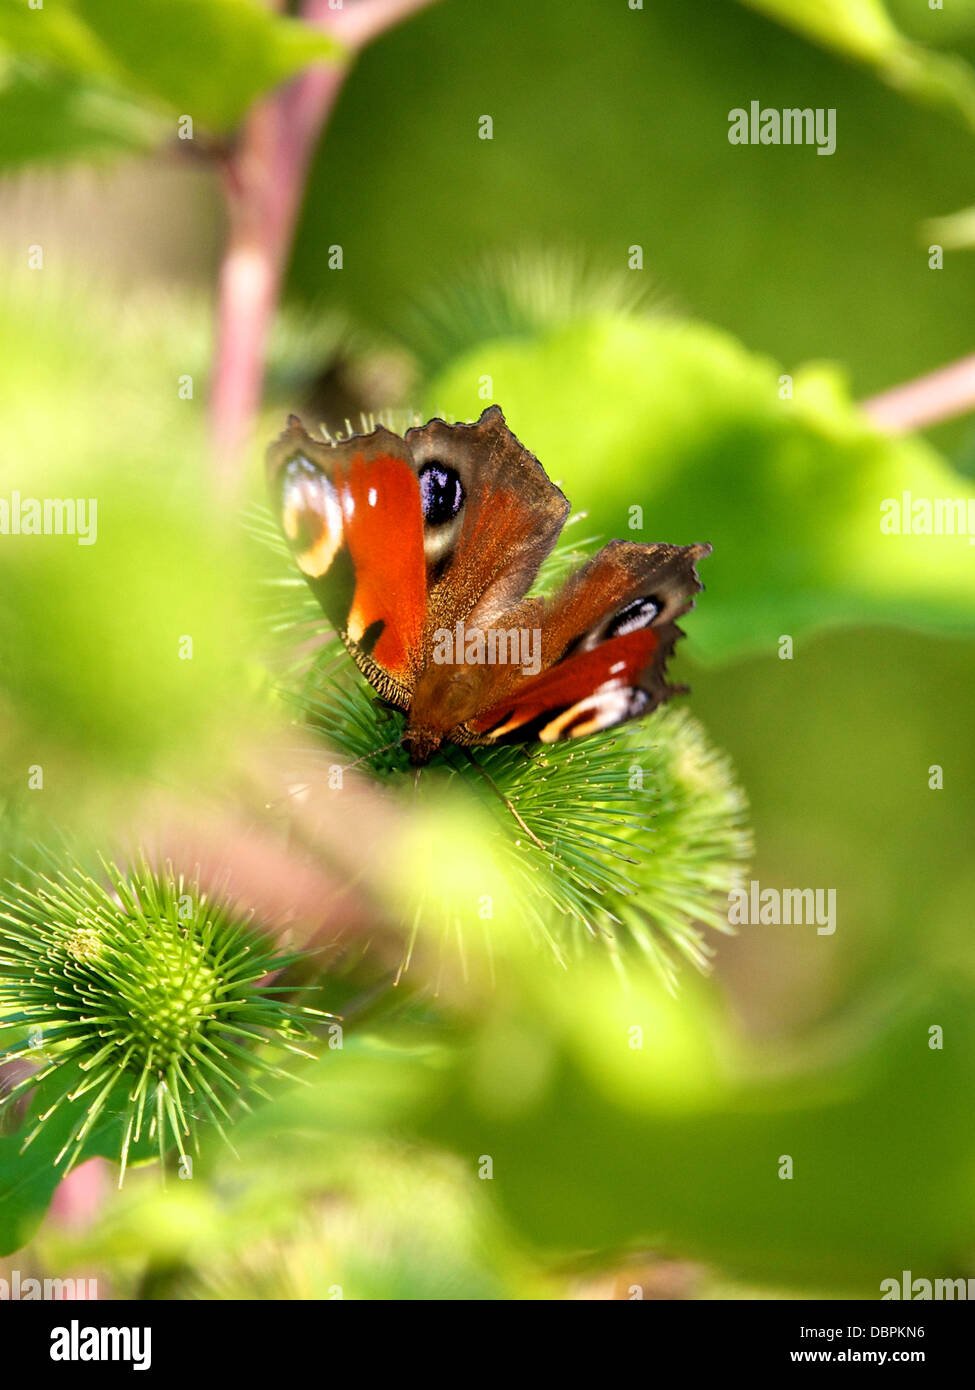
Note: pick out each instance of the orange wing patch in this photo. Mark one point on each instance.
(383, 526)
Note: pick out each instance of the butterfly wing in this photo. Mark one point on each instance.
(399, 538)
(491, 516)
(352, 515)
(605, 641)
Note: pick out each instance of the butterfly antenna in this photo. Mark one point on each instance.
(500, 794)
(373, 753)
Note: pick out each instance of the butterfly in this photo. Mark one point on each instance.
(421, 550)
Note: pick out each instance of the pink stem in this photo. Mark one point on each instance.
(264, 182)
(941, 395)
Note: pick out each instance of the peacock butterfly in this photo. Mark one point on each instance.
(421, 549)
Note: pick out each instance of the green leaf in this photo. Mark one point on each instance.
(860, 28)
(864, 31)
(27, 1184)
(46, 117)
(679, 420)
(56, 34)
(208, 59)
(29, 1177)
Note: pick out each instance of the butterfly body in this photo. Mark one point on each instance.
(421, 550)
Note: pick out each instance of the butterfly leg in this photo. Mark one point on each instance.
(384, 708)
(500, 794)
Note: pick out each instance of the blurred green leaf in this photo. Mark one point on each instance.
(770, 243)
(363, 1216)
(676, 1145)
(938, 24)
(679, 420)
(208, 59)
(58, 34)
(863, 30)
(63, 117)
(91, 634)
(619, 1119)
(835, 748)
